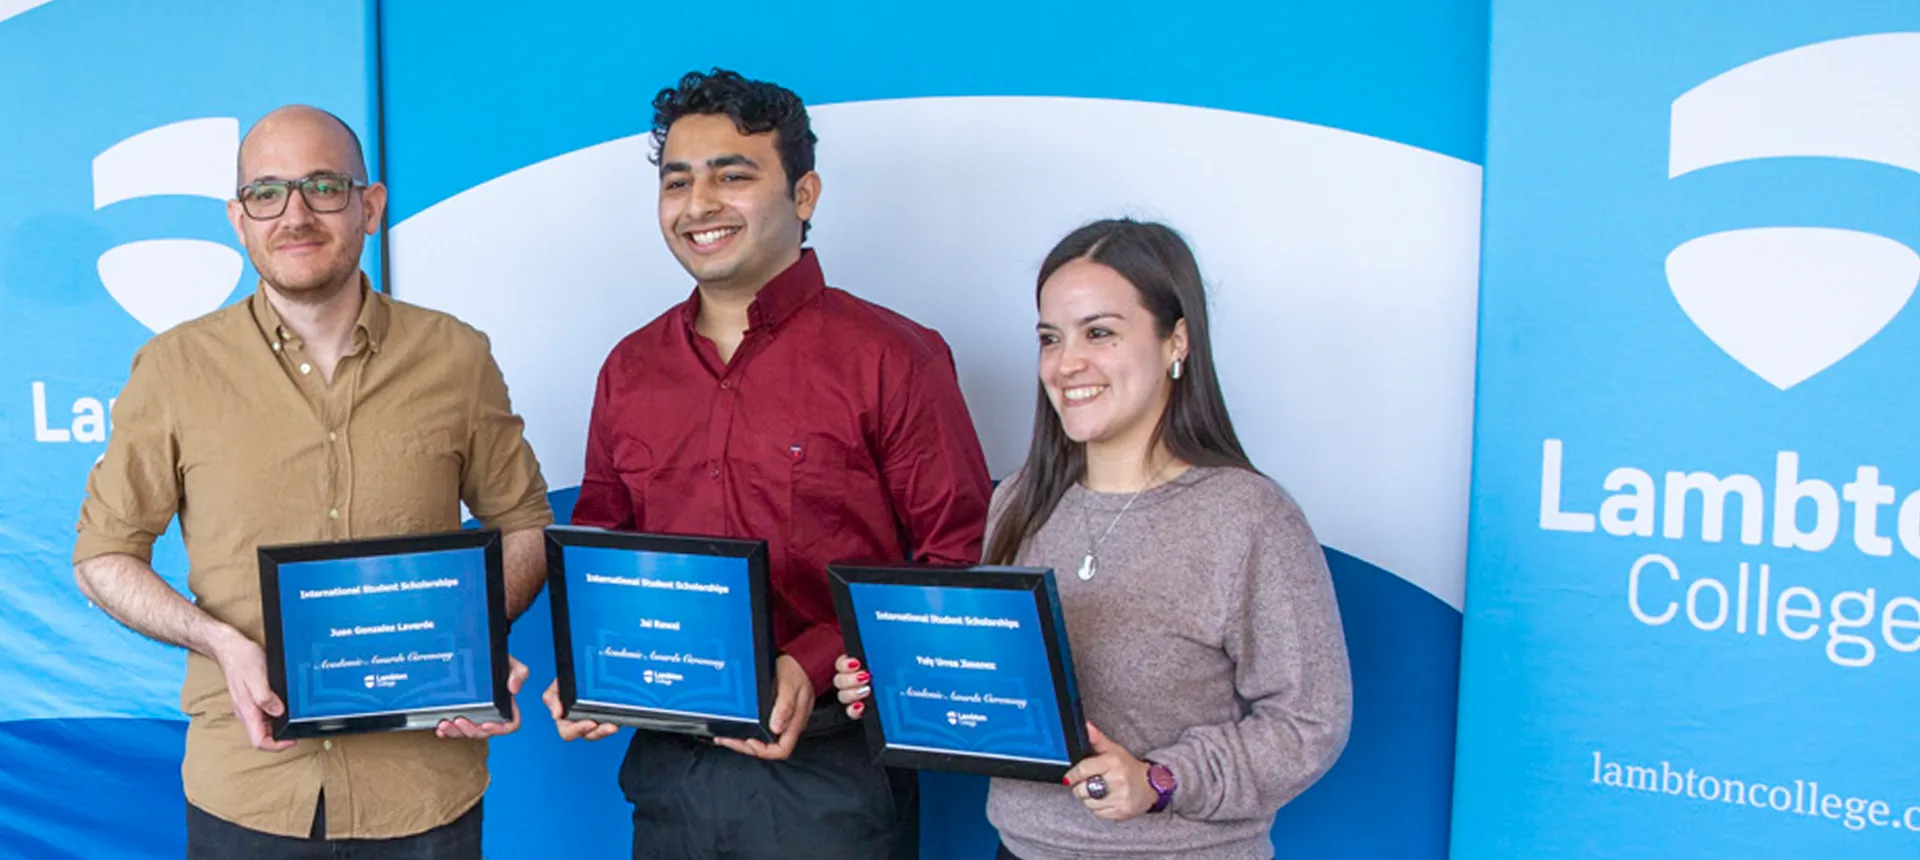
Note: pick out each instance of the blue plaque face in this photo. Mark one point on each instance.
(971, 670)
(386, 634)
(960, 670)
(662, 632)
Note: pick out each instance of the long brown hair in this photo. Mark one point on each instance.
(1195, 426)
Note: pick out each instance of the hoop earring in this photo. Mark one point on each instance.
(1175, 372)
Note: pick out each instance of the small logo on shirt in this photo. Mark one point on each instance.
(795, 452)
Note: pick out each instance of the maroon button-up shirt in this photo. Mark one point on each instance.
(837, 433)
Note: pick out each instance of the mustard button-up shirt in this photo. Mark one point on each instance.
(226, 422)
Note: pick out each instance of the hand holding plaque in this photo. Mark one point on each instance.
(243, 663)
(460, 727)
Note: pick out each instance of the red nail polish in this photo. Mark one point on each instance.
(859, 706)
(1065, 781)
(862, 677)
(852, 663)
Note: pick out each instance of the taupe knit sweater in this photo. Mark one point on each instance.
(1207, 640)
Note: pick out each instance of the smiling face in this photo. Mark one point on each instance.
(725, 209)
(302, 252)
(1103, 362)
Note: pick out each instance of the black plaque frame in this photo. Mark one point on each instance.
(755, 554)
(289, 725)
(1037, 582)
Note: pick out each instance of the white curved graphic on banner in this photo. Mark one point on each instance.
(1856, 98)
(1788, 302)
(1344, 272)
(10, 8)
(193, 157)
(165, 282)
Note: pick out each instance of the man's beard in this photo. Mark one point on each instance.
(335, 271)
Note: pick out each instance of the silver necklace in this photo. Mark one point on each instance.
(1090, 564)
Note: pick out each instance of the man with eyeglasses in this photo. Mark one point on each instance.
(316, 409)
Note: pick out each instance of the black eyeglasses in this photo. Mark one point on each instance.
(266, 199)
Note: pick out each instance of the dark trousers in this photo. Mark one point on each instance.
(695, 800)
(1004, 854)
(213, 838)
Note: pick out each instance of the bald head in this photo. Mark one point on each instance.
(305, 245)
(305, 129)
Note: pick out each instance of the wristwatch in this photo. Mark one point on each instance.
(1161, 778)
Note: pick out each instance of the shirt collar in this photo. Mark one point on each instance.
(375, 312)
(788, 292)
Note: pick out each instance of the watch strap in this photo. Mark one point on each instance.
(1161, 778)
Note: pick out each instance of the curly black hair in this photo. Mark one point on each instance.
(756, 107)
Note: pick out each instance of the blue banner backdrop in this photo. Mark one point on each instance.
(122, 119)
(1693, 601)
(1321, 155)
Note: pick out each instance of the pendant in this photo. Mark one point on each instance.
(1086, 568)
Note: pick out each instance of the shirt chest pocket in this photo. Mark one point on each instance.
(407, 480)
(818, 488)
(633, 465)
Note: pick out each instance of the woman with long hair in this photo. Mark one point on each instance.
(1206, 640)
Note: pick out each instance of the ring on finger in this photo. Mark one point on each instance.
(1097, 787)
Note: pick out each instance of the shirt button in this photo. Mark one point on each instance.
(306, 368)
(725, 384)
(332, 436)
(276, 346)
(333, 514)
(713, 473)
(326, 744)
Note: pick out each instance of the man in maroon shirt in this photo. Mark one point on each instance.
(769, 405)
